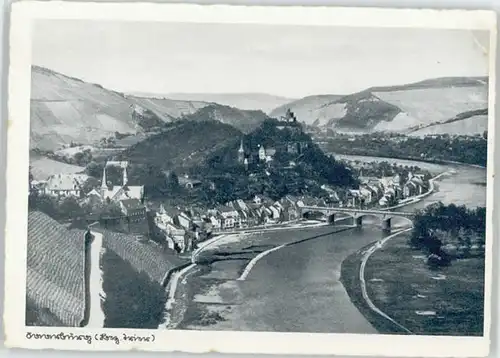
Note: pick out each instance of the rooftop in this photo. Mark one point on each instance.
(225, 209)
(132, 204)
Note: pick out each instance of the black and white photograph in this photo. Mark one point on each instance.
(255, 177)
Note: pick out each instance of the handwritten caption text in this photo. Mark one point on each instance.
(98, 337)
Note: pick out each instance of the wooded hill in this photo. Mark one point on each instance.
(208, 151)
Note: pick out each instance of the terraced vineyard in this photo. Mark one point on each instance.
(145, 258)
(56, 270)
(133, 275)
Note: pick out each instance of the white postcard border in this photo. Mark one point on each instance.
(23, 13)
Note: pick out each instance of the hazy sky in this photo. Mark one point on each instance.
(291, 61)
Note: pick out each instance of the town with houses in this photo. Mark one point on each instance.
(346, 204)
(182, 228)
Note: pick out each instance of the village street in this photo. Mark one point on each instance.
(96, 319)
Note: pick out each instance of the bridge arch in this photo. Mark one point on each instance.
(358, 219)
(381, 216)
(400, 217)
(332, 216)
(314, 214)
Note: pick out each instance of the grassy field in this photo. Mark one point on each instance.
(42, 167)
(445, 302)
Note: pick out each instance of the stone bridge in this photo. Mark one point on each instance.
(358, 214)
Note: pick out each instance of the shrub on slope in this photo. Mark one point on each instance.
(55, 271)
(36, 316)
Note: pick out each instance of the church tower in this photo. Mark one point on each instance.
(125, 177)
(104, 185)
(262, 153)
(241, 153)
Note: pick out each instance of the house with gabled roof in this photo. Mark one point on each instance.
(177, 235)
(262, 199)
(366, 194)
(289, 208)
(410, 189)
(376, 190)
(242, 219)
(230, 216)
(133, 209)
(252, 216)
(216, 221)
(275, 212)
(165, 216)
(353, 197)
(185, 221)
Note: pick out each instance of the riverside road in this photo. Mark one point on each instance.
(297, 287)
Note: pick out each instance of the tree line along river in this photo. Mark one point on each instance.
(297, 288)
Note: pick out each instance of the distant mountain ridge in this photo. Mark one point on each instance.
(244, 120)
(246, 101)
(65, 109)
(392, 108)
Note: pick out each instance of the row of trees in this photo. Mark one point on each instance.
(466, 149)
(81, 158)
(385, 169)
(69, 208)
(439, 225)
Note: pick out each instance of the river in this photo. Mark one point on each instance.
(297, 288)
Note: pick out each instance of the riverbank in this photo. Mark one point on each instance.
(415, 159)
(350, 278)
(214, 294)
(399, 283)
(240, 254)
(238, 250)
(227, 237)
(398, 293)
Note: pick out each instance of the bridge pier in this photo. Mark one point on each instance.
(331, 219)
(359, 221)
(386, 224)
